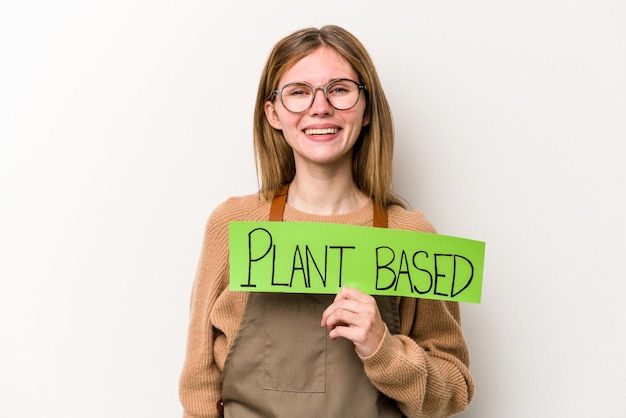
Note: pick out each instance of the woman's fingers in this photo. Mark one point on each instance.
(354, 315)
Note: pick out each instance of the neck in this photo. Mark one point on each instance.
(325, 194)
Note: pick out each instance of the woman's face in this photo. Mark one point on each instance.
(322, 135)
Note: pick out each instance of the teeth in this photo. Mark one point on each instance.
(325, 131)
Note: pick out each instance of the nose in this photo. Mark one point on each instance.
(320, 105)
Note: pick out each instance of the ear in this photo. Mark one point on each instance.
(272, 116)
(366, 119)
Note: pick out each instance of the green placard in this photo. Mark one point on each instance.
(307, 257)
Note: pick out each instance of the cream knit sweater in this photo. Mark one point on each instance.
(425, 368)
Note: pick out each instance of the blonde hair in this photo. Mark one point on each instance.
(373, 152)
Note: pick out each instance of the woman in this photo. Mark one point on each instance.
(323, 139)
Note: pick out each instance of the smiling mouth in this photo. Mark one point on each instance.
(324, 131)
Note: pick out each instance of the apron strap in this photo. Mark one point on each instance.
(380, 216)
(278, 204)
(280, 199)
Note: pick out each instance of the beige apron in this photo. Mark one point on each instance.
(282, 363)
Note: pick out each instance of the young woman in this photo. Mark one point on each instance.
(323, 138)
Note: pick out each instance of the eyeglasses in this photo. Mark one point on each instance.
(342, 94)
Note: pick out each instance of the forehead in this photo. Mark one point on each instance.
(319, 67)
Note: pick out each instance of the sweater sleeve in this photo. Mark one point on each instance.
(426, 371)
(425, 367)
(200, 381)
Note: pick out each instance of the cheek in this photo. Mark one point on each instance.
(288, 121)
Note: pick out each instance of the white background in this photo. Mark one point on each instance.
(123, 123)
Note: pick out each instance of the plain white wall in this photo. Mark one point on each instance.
(123, 123)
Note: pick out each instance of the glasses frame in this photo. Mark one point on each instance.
(279, 93)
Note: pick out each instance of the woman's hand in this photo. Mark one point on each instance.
(354, 315)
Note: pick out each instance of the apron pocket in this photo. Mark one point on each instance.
(294, 357)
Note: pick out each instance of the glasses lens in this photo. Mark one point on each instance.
(296, 97)
(343, 94)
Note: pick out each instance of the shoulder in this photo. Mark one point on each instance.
(411, 220)
(252, 207)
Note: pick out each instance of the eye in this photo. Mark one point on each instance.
(296, 90)
(340, 88)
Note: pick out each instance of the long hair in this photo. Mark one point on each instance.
(373, 151)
